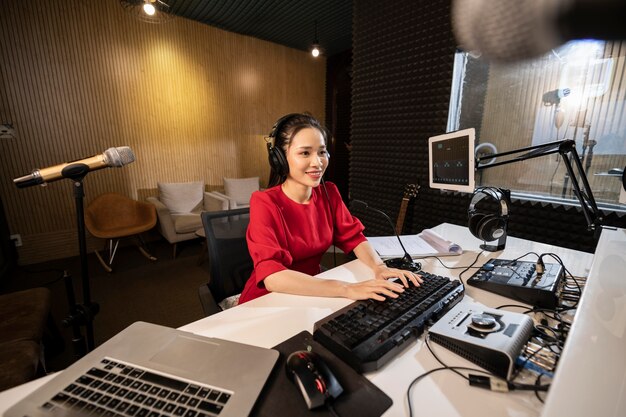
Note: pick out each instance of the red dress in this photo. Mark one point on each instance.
(284, 234)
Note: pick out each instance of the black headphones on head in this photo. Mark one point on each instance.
(487, 225)
(276, 155)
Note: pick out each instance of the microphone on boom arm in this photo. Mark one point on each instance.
(406, 262)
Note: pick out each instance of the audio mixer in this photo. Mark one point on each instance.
(520, 281)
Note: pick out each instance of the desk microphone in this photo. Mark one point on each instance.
(112, 157)
(405, 262)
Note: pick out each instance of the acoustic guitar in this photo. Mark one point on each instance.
(410, 191)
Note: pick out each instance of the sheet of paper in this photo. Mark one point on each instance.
(426, 243)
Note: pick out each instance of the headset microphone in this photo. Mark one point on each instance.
(406, 262)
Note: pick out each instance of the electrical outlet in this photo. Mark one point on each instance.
(17, 239)
(7, 131)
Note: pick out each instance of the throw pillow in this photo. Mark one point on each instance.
(240, 189)
(181, 197)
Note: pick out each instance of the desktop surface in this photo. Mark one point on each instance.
(597, 337)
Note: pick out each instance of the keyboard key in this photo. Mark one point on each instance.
(164, 381)
(223, 398)
(85, 380)
(132, 410)
(192, 389)
(60, 398)
(180, 411)
(210, 407)
(98, 373)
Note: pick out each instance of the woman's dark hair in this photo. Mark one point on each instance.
(282, 133)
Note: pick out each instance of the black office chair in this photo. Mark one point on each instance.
(229, 259)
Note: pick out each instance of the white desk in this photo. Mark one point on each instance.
(269, 320)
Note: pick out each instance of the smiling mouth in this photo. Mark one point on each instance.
(315, 173)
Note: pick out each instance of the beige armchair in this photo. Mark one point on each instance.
(178, 208)
(238, 191)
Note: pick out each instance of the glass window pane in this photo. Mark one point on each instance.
(575, 92)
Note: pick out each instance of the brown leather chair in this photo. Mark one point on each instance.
(112, 216)
(25, 323)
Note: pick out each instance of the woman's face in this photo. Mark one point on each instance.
(307, 157)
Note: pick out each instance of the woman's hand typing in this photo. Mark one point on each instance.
(374, 289)
(383, 272)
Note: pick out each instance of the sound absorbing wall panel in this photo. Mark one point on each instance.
(193, 102)
(403, 53)
(403, 60)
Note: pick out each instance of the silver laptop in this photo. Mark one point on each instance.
(149, 370)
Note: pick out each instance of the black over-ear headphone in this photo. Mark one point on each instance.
(484, 224)
(276, 155)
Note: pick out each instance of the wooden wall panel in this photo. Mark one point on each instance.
(193, 102)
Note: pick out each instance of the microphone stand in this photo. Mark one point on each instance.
(80, 314)
(567, 149)
(406, 262)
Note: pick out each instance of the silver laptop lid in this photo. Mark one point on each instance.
(216, 377)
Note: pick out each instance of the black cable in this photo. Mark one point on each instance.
(331, 409)
(416, 380)
(511, 305)
(427, 373)
(466, 269)
(42, 271)
(538, 382)
(451, 267)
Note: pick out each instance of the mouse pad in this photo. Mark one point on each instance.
(280, 396)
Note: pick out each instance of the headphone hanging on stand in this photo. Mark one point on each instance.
(487, 225)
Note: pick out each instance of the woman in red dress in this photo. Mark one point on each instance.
(295, 220)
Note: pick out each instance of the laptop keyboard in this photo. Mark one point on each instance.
(115, 389)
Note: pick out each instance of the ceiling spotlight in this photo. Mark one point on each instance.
(151, 11)
(148, 8)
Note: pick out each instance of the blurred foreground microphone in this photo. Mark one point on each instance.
(405, 262)
(112, 157)
(510, 30)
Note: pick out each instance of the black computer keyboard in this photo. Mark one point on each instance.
(367, 334)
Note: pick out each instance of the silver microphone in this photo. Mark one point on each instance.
(112, 157)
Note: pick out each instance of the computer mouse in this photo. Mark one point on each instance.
(488, 266)
(311, 374)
